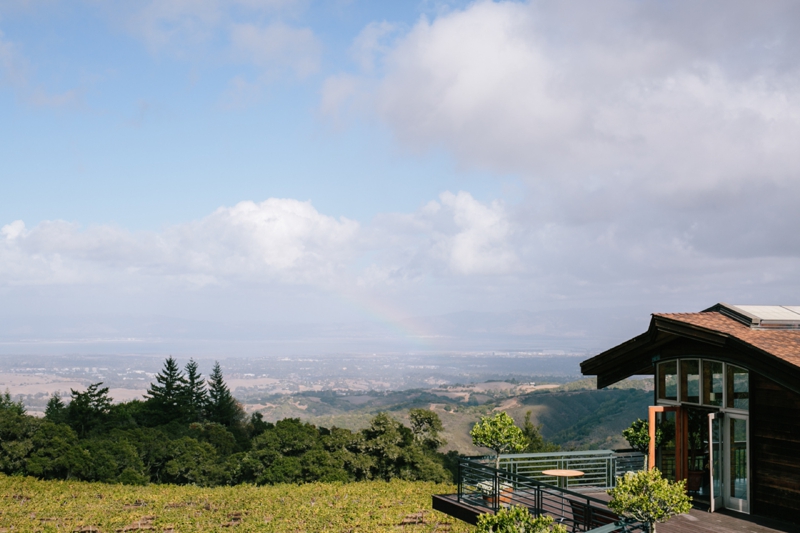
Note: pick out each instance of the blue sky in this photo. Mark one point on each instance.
(155, 124)
(293, 161)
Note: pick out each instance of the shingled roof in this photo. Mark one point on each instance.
(723, 332)
(782, 343)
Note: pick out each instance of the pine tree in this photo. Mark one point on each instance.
(195, 396)
(56, 411)
(164, 398)
(536, 442)
(9, 405)
(222, 406)
(88, 410)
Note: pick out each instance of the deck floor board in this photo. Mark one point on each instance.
(696, 521)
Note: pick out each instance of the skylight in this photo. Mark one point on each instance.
(764, 316)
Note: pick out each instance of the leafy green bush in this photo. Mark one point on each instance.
(516, 520)
(648, 497)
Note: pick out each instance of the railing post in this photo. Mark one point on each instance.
(612, 470)
(460, 482)
(495, 491)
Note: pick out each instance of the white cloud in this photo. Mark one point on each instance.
(13, 230)
(17, 72)
(501, 91)
(370, 43)
(622, 118)
(481, 245)
(277, 45)
(214, 30)
(275, 240)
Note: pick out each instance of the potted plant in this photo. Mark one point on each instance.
(516, 520)
(647, 497)
(486, 488)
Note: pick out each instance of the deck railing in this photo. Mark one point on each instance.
(481, 485)
(600, 467)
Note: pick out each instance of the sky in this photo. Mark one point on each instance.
(352, 175)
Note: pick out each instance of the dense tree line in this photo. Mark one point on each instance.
(189, 430)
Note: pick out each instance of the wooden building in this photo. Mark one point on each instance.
(726, 402)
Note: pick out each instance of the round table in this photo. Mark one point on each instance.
(562, 474)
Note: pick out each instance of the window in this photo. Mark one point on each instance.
(668, 381)
(738, 388)
(690, 381)
(712, 383)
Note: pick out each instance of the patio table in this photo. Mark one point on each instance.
(562, 475)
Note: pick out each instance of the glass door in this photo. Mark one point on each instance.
(715, 459)
(737, 466)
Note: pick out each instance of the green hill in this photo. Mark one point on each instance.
(574, 415)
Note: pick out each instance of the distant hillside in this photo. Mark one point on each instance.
(574, 415)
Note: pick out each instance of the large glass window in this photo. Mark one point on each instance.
(690, 381)
(668, 381)
(712, 383)
(738, 388)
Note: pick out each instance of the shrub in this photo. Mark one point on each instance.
(648, 497)
(516, 520)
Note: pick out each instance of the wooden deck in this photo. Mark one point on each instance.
(724, 522)
(700, 521)
(697, 521)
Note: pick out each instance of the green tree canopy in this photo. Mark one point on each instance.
(535, 442)
(88, 411)
(498, 433)
(165, 397)
(426, 425)
(55, 411)
(222, 407)
(194, 396)
(9, 405)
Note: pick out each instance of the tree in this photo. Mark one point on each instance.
(7, 404)
(194, 396)
(516, 520)
(535, 440)
(222, 407)
(164, 398)
(638, 436)
(498, 433)
(384, 440)
(648, 497)
(426, 425)
(55, 411)
(88, 410)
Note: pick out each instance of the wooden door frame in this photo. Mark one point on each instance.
(681, 430)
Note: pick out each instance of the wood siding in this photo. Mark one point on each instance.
(775, 449)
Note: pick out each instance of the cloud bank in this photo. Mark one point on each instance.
(656, 141)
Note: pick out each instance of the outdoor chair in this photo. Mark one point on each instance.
(585, 517)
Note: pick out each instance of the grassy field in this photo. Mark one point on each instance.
(27, 504)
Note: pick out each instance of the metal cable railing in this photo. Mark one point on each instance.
(482, 486)
(600, 467)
